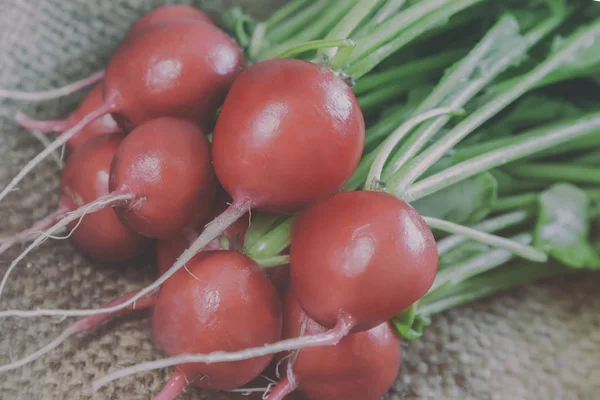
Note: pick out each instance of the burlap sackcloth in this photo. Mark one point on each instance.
(541, 341)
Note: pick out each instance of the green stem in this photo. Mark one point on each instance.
(357, 180)
(297, 22)
(514, 202)
(386, 11)
(453, 91)
(284, 12)
(556, 172)
(476, 265)
(486, 284)
(517, 248)
(312, 29)
(420, 26)
(490, 225)
(467, 152)
(259, 227)
(391, 28)
(544, 139)
(411, 70)
(383, 95)
(273, 242)
(257, 41)
(385, 126)
(274, 261)
(346, 26)
(374, 176)
(419, 165)
(591, 158)
(314, 45)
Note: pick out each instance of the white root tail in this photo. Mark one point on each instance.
(52, 93)
(329, 338)
(110, 200)
(83, 325)
(30, 234)
(211, 232)
(62, 139)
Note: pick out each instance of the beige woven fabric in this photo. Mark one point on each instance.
(537, 342)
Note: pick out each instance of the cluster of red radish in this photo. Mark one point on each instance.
(287, 137)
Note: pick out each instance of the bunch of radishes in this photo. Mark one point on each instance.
(285, 135)
(288, 136)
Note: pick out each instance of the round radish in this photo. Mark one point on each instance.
(99, 235)
(178, 70)
(166, 165)
(290, 132)
(101, 126)
(362, 366)
(222, 302)
(171, 70)
(168, 12)
(363, 256)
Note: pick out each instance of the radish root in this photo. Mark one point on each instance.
(62, 139)
(52, 93)
(30, 233)
(329, 338)
(110, 200)
(212, 231)
(83, 325)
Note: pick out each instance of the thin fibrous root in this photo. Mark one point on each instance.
(52, 93)
(47, 126)
(212, 231)
(173, 388)
(62, 139)
(30, 234)
(83, 325)
(329, 338)
(110, 200)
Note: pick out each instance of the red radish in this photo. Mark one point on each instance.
(222, 302)
(84, 325)
(173, 70)
(289, 134)
(168, 12)
(166, 164)
(160, 181)
(186, 70)
(363, 366)
(361, 256)
(101, 235)
(101, 126)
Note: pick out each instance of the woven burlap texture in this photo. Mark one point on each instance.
(537, 342)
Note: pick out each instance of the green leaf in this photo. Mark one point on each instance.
(410, 324)
(465, 203)
(563, 226)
